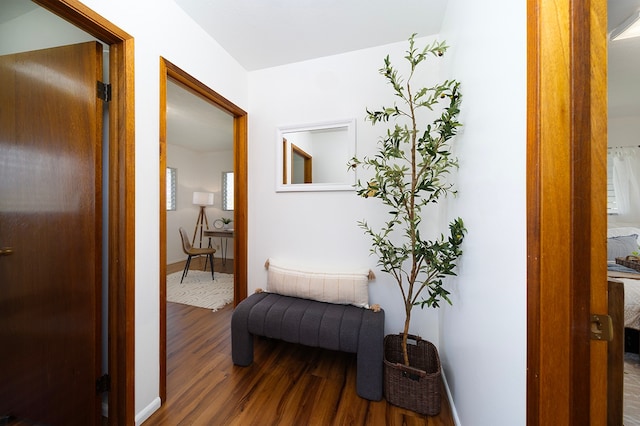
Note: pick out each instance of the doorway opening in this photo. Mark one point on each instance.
(169, 71)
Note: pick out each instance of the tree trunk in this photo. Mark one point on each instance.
(405, 354)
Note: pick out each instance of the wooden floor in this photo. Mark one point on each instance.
(286, 385)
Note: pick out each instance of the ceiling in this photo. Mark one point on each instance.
(261, 34)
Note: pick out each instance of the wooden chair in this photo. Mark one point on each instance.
(191, 251)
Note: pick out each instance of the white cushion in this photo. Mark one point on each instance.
(613, 246)
(622, 231)
(622, 246)
(341, 287)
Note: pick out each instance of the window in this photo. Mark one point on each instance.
(172, 179)
(227, 190)
(612, 206)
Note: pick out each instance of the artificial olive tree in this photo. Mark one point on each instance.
(410, 171)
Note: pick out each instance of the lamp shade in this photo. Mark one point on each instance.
(203, 198)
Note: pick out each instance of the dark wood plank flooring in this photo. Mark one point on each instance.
(286, 385)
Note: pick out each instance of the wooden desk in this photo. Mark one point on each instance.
(222, 234)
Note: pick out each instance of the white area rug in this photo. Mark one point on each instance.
(197, 289)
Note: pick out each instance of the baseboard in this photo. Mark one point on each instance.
(454, 413)
(148, 411)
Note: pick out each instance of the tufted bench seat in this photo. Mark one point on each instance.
(312, 323)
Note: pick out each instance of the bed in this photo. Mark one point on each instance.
(631, 301)
(622, 242)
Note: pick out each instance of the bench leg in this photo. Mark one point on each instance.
(370, 357)
(241, 342)
(241, 339)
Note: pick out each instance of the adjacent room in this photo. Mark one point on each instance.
(199, 195)
(623, 172)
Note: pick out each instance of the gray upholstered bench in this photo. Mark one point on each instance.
(331, 326)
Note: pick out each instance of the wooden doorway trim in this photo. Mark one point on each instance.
(121, 250)
(169, 70)
(566, 210)
(121, 203)
(307, 164)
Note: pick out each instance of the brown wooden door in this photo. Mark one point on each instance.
(50, 218)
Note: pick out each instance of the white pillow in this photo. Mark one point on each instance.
(341, 287)
(622, 246)
(622, 231)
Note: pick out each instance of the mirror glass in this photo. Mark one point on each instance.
(314, 157)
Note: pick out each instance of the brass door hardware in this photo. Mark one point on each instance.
(601, 327)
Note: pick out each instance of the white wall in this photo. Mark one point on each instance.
(196, 171)
(320, 228)
(483, 338)
(160, 28)
(623, 131)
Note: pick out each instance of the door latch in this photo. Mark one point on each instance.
(601, 327)
(6, 251)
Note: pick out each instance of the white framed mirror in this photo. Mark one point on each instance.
(314, 157)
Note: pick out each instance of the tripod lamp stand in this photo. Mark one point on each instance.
(202, 199)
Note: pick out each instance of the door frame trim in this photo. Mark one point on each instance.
(566, 210)
(121, 249)
(169, 70)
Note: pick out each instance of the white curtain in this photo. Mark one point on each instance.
(626, 171)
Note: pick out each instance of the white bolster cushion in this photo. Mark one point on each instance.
(344, 287)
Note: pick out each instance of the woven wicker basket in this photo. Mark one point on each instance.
(418, 387)
(630, 262)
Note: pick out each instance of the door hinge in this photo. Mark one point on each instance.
(103, 384)
(104, 91)
(601, 327)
